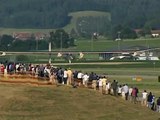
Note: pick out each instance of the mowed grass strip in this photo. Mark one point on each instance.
(105, 45)
(24, 102)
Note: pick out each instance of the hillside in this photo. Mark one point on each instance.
(77, 19)
(72, 24)
(24, 102)
(54, 13)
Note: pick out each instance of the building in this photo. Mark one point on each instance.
(40, 36)
(22, 36)
(28, 35)
(155, 33)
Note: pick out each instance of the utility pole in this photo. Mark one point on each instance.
(49, 50)
(147, 45)
(119, 39)
(92, 43)
(61, 42)
(118, 44)
(154, 65)
(37, 45)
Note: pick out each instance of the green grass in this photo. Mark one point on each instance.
(139, 67)
(103, 44)
(23, 102)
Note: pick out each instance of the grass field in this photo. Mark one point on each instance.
(10, 31)
(103, 44)
(25, 102)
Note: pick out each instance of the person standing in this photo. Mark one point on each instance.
(149, 100)
(144, 98)
(119, 90)
(60, 75)
(134, 95)
(65, 76)
(108, 88)
(85, 79)
(130, 93)
(91, 76)
(69, 74)
(80, 76)
(153, 103)
(2, 67)
(126, 90)
(114, 87)
(104, 81)
(158, 105)
(100, 84)
(94, 81)
(52, 79)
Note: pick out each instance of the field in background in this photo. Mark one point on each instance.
(104, 44)
(89, 45)
(10, 31)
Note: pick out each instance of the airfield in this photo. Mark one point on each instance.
(26, 101)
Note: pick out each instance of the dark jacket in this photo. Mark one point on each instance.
(149, 98)
(114, 85)
(158, 101)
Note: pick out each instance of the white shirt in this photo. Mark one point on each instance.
(17, 65)
(125, 89)
(80, 75)
(130, 91)
(85, 77)
(144, 95)
(108, 85)
(100, 83)
(65, 74)
(119, 89)
(46, 70)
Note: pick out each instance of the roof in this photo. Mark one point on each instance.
(28, 35)
(155, 31)
(22, 35)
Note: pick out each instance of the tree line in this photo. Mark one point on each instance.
(126, 15)
(9, 43)
(54, 13)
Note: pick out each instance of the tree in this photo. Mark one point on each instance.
(73, 33)
(6, 42)
(147, 29)
(123, 32)
(61, 39)
(115, 31)
(128, 33)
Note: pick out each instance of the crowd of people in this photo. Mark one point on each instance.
(58, 75)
